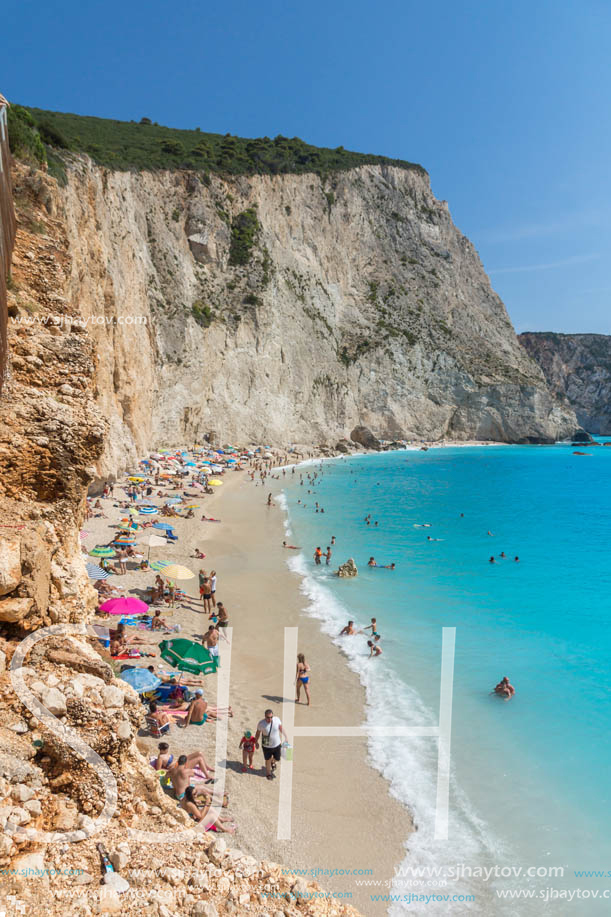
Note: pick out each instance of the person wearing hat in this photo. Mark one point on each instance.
(247, 744)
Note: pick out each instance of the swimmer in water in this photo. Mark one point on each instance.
(492, 560)
(504, 689)
(516, 560)
(371, 562)
(348, 630)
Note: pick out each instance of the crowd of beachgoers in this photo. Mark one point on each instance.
(142, 593)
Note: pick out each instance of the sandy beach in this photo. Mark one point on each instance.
(343, 818)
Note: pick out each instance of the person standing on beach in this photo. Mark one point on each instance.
(202, 582)
(213, 587)
(302, 677)
(271, 730)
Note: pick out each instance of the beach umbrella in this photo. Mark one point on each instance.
(152, 541)
(94, 572)
(141, 680)
(173, 500)
(231, 461)
(177, 571)
(192, 506)
(214, 482)
(163, 525)
(187, 656)
(135, 479)
(159, 565)
(148, 510)
(102, 551)
(124, 605)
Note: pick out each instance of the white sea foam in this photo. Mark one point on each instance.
(409, 764)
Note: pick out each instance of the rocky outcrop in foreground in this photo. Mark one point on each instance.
(577, 368)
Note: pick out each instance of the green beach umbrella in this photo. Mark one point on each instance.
(102, 551)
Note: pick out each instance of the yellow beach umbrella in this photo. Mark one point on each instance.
(136, 480)
(133, 511)
(191, 506)
(214, 482)
(176, 571)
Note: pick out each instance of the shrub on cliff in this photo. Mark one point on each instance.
(201, 313)
(129, 145)
(24, 139)
(244, 231)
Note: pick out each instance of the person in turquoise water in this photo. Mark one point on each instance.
(504, 689)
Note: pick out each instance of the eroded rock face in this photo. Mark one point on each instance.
(364, 437)
(361, 305)
(577, 368)
(10, 563)
(51, 432)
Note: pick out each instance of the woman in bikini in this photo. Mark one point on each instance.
(189, 804)
(302, 677)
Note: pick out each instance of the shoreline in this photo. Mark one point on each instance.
(339, 826)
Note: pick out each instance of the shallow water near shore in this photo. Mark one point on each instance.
(528, 776)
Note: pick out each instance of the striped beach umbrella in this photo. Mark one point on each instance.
(159, 565)
(102, 551)
(148, 510)
(94, 572)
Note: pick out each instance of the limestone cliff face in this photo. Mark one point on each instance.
(358, 302)
(51, 432)
(577, 368)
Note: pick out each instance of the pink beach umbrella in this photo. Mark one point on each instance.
(124, 605)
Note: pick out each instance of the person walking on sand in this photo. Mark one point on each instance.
(271, 730)
(247, 744)
(302, 677)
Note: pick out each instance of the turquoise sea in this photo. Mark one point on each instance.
(530, 778)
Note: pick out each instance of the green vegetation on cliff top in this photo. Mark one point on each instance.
(127, 145)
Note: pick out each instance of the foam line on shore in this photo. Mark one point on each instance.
(409, 765)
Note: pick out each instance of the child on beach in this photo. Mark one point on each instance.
(247, 744)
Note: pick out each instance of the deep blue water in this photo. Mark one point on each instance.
(530, 777)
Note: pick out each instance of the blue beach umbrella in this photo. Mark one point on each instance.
(141, 680)
(163, 525)
(148, 510)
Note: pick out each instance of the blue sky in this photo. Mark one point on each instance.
(506, 104)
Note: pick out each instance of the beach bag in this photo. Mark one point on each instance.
(287, 751)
